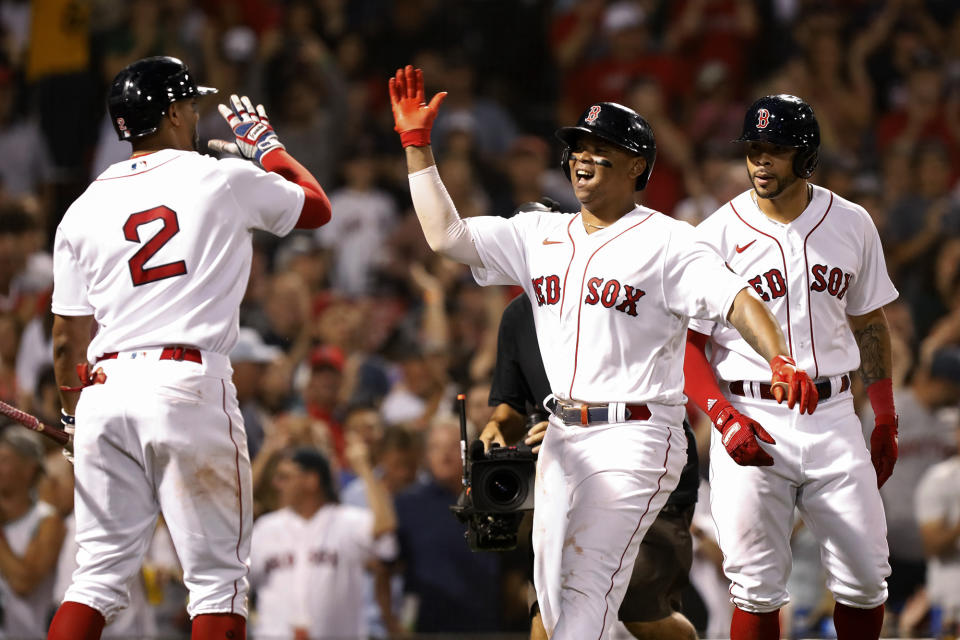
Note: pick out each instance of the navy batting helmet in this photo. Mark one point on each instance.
(789, 122)
(142, 91)
(616, 124)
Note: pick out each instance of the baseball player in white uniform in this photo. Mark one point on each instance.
(310, 557)
(155, 256)
(613, 287)
(815, 259)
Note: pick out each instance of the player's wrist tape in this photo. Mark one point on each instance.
(415, 138)
(68, 421)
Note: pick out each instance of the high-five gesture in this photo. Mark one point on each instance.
(412, 116)
(792, 383)
(255, 137)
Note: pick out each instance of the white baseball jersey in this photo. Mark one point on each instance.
(812, 273)
(611, 307)
(157, 264)
(25, 616)
(308, 573)
(938, 499)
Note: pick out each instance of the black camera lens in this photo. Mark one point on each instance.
(503, 486)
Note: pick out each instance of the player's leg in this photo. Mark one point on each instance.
(622, 477)
(842, 507)
(203, 481)
(115, 512)
(651, 607)
(549, 524)
(753, 509)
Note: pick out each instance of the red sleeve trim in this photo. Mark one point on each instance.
(316, 207)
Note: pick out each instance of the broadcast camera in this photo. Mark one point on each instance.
(498, 489)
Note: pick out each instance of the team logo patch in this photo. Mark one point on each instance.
(763, 118)
(592, 116)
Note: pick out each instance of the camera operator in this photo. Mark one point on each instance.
(651, 606)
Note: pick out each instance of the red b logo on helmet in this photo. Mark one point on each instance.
(763, 118)
(594, 112)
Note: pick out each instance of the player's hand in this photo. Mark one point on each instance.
(536, 435)
(490, 434)
(884, 447)
(255, 137)
(69, 425)
(793, 383)
(739, 434)
(412, 116)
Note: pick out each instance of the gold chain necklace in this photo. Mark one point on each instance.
(596, 226)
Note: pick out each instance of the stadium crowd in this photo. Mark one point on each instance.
(356, 339)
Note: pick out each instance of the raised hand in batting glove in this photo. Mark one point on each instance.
(255, 137)
(884, 447)
(792, 383)
(413, 117)
(739, 434)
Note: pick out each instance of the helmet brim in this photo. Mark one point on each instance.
(570, 136)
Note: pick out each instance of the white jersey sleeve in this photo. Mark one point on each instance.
(69, 288)
(270, 202)
(872, 288)
(696, 281)
(501, 245)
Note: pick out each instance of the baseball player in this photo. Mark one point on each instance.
(815, 259)
(614, 286)
(310, 557)
(651, 605)
(155, 255)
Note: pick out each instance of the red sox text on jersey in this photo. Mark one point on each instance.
(599, 290)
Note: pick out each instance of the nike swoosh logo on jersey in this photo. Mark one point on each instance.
(545, 241)
(745, 247)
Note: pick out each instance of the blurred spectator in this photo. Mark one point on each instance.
(721, 179)
(35, 355)
(938, 516)
(32, 534)
(356, 235)
(492, 127)
(421, 392)
(533, 172)
(925, 438)
(250, 358)
(704, 31)
(26, 269)
(626, 29)
(308, 559)
(456, 590)
(26, 168)
(321, 395)
(716, 115)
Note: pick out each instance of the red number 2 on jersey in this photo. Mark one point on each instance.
(171, 226)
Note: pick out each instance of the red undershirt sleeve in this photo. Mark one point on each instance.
(316, 206)
(700, 384)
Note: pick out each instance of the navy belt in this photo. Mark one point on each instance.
(585, 415)
(824, 388)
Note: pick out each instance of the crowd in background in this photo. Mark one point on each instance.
(356, 339)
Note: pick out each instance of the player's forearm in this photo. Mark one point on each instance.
(873, 339)
(445, 232)
(699, 381)
(757, 325)
(316, 210)
(71, 337)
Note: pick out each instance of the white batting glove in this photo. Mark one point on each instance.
(69, 425)
(255, 137)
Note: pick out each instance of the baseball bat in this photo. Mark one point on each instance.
(59, 436)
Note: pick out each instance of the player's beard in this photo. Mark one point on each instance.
(783, 183)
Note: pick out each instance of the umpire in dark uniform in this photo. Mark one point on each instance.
(651, 607)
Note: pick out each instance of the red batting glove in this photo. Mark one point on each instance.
(412, 116)
(798, 385)
(883, 446)
(739, 434)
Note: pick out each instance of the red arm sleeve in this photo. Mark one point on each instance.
(316, 206)
(700, 384)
